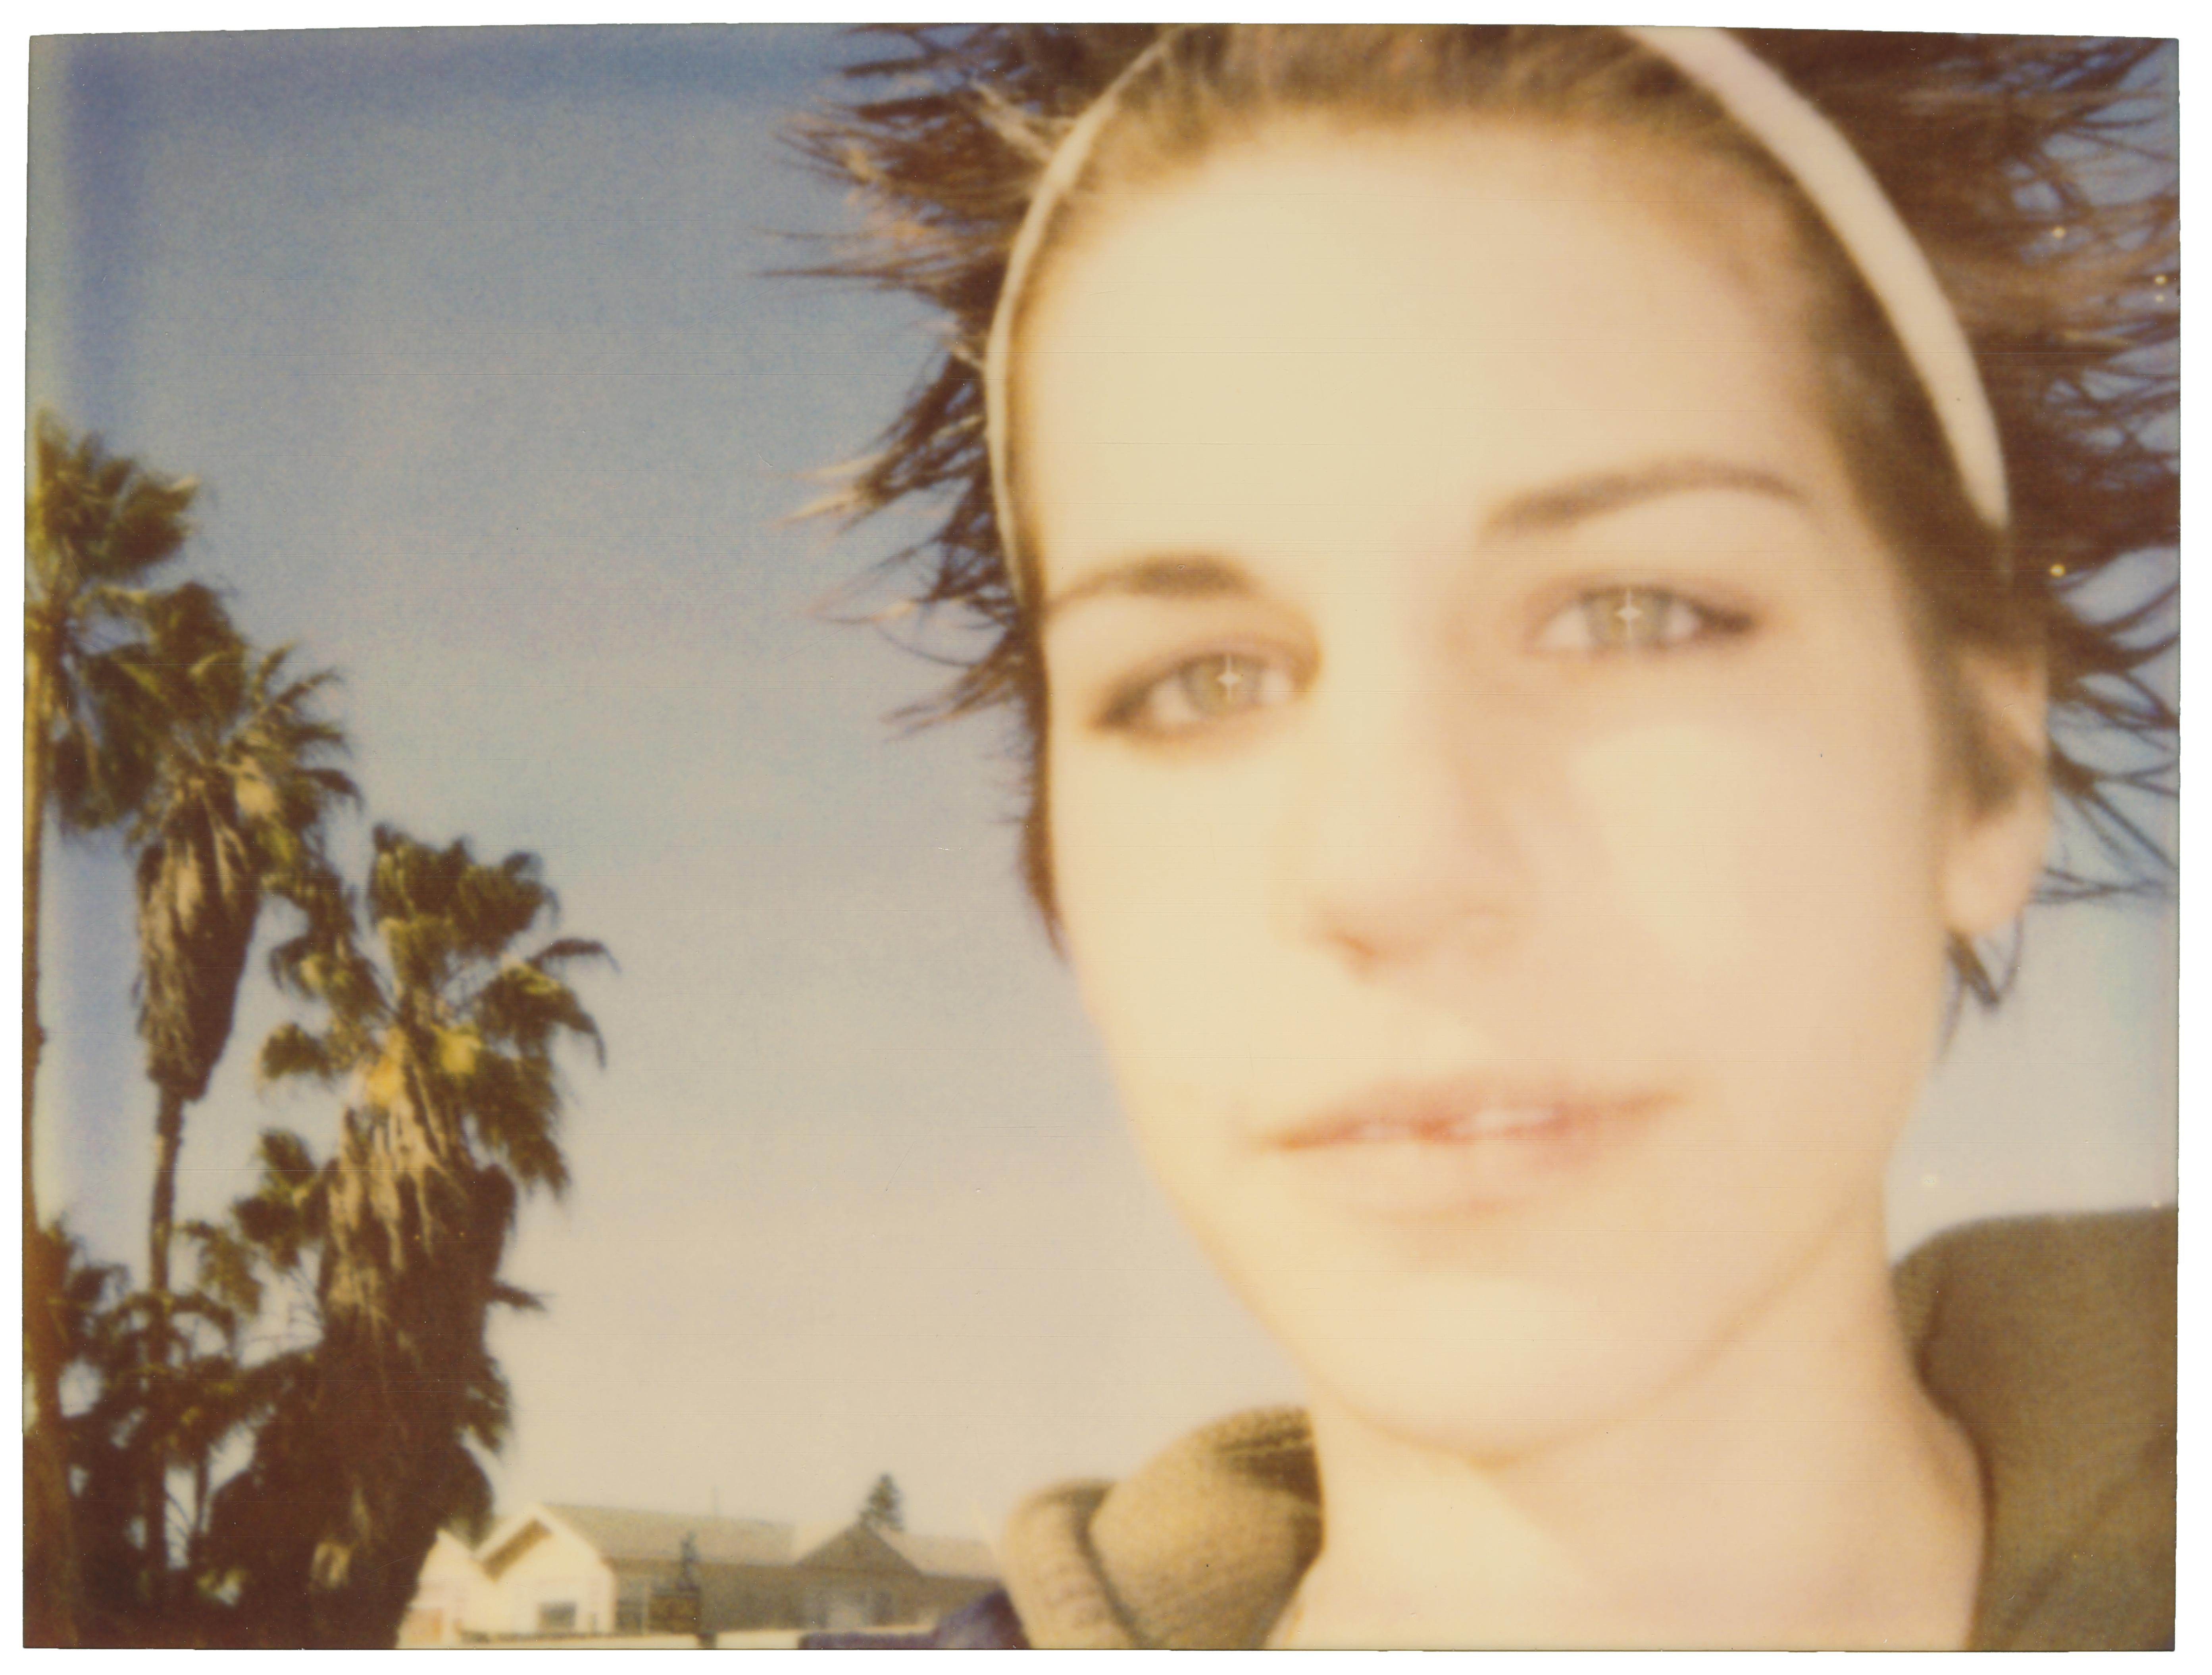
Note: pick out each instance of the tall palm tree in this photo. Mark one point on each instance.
(446, 1047)
(96, 526)
(241, 786)
(239, 789)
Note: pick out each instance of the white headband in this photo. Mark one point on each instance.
(1793, 132)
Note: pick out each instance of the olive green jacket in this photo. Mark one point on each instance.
(2051, 1340)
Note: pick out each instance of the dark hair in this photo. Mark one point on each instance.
(2020, 164)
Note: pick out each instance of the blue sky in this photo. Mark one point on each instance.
(470, 336)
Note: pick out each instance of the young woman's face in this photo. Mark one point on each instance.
(1498, 817)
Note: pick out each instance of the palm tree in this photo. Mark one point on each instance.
(84, 1305)
(446, 1049)
(95, 527)
(188, 1413)
(234, 811)
(240, 790)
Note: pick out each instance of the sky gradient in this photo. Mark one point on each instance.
(472, 339)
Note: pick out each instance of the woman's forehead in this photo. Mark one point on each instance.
(1378, 313)
(1318, 190)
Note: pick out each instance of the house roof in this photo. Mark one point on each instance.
(862, 1545)
(943, 1555)
(450, 1555)
(619, 1533)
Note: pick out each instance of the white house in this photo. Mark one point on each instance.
(571, 1571)
(453, 1597)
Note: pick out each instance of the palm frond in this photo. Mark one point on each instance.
(569, 948)
(525, 1006)
(292, 1050)
(225, 1265)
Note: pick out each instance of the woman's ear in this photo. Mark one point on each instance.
(2001, 818)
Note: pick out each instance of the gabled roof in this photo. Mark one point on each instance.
(944, 1555)
(620, 1535)
(856, 1547)
(615, 1532)
(450, 1555)
(865, 1546)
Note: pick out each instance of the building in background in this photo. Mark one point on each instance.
(569, 1572)
(449, 1596)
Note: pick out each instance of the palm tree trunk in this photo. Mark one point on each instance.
(169, 1140)
(50, 1577)
(36, 697)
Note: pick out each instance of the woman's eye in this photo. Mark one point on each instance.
(1217, 686)
(1609, 620)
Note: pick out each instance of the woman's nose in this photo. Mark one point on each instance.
(1411, 822)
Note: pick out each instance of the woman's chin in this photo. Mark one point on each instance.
(1493, 1355)
(1507, 1369)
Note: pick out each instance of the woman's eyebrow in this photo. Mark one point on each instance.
(1176, 576)
(1544, 510)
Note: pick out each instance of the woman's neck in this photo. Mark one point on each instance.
(1799, 1490)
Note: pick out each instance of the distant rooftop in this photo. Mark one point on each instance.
(623, 1533)
(619, 1532)
(944, 1555)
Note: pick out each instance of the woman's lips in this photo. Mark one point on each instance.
(1441, 1150)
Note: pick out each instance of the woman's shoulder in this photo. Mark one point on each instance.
(2038, 1258)
(2078, 1310)
(2051, 1339)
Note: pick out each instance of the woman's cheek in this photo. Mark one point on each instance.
(1167, 974)
(1683, 831)
(1772, 875)
(1720, 842)
(1158, 870)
